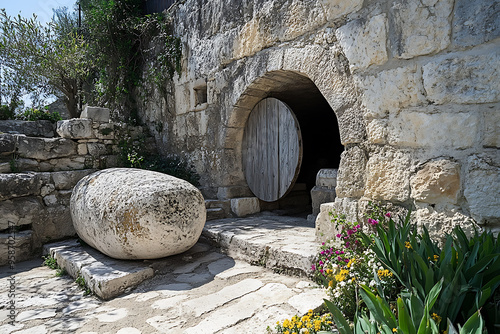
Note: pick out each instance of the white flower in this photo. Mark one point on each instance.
(342, 284)
(372, 283)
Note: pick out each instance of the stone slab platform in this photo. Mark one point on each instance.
(282, 243)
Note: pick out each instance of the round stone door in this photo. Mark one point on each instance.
(272, 150)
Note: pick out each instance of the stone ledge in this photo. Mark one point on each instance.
(284, 244)
(106, 277)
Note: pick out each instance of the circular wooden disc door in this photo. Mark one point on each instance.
(272, 150)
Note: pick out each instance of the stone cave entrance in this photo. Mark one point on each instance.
(321, 146)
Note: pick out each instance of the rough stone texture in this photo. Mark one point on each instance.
(96, 114)
(476, 22)
(364, 43)
(75, 128)
(320, 195)
(420, 27)
(7, 144)
(44, 148)
(492, 128)
(245, 206)
(437, 182)
(351, 175)
(434, 128)
(376, 131)
(19, 212)
(66, 180)
(327, 178)
(20, 242)
(325, 230)
(351, 125)
(439, 222)
(137, 214)
(482, 189)
(388, 177)
(390, 90)
(40, 128)
(463, 79)
(18, 185)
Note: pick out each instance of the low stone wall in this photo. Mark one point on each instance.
(38, 173)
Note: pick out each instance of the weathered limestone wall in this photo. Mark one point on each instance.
(415, 86)
(38, 173)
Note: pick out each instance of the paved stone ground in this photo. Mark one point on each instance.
(200, 291)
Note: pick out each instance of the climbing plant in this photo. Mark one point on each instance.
(131, 51)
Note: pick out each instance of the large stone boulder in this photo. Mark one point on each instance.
(137, 214)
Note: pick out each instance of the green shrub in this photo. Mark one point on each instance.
(33, 114)
(6, 112)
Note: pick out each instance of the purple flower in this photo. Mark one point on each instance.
(350, 232)
(321, 271)
(347, 244)
(346, 260)
(358, 226)
(339, 235)
(321, 262)
(388, 215)
(337, 252)
(372, 221)
(313, 267)
(322, 243)
(339, 258)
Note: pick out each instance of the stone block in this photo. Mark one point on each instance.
(491, 128)
(325, 229)
(54, 224)
(96, 149)
(75, 128)
(27, 165)
(441, 222)
(434, 127)
(475, 22)
(334, 9)
(364, 42)
(351, 125)
(351, 174)
(19, 212)
(7, 144)
(96, 114)
(42, 128)
(19, 185)
(45, 148)
(66, 180)
(20, 241)
(5, 167)
(482, 189)
(463, 79)
(82, 149)
(320, 195)
(388, 176)
(420, 27)
(106, 131)
(63, 164)
(437, 182)
(391, 90)
(327, 178)
(245, 206)
(376, 131)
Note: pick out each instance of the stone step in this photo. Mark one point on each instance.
(106, 277)
(215, 213)
(284, 244)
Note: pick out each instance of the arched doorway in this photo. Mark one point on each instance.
(321, 146)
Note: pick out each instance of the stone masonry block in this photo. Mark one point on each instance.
(320, 195)
(327, 178)
(7, 144)
(96, 114)
(19, 185)
(245, 206)
(420, 27)
(437, 182)
(75, 128)
(364, 42)
(45, 148)
(351, 174)
(476, 22)
(466, 79)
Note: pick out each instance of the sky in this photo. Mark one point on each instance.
(42, 8)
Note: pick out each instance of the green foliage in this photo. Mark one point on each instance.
(6, 112)
(33, 114)
(50, 262)
(42, 60)
(83, 285)
(469, 268)
(172, 165)
(124, 44)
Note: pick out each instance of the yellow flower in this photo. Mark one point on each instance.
(286, 332)
(311, 311)
(330, 284)
(353, 279)
(317, 325)
(436, 317)
(299, 324)
(408, 245)
(436, 257)
(286, 323)
(395, 330)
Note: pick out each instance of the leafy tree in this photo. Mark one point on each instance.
(43, 59)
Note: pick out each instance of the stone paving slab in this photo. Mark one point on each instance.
(199, 291)
(284, 244)
(222, 295)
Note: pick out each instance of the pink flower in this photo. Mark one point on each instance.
(358, 226)
(339, 235)
(321, 270)
(313, 267)
(339, 258)
(321, 262)
(388, 215)
(346, 260)
(337, 252)
(347, 244)
(372, 221)
(350, 232)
